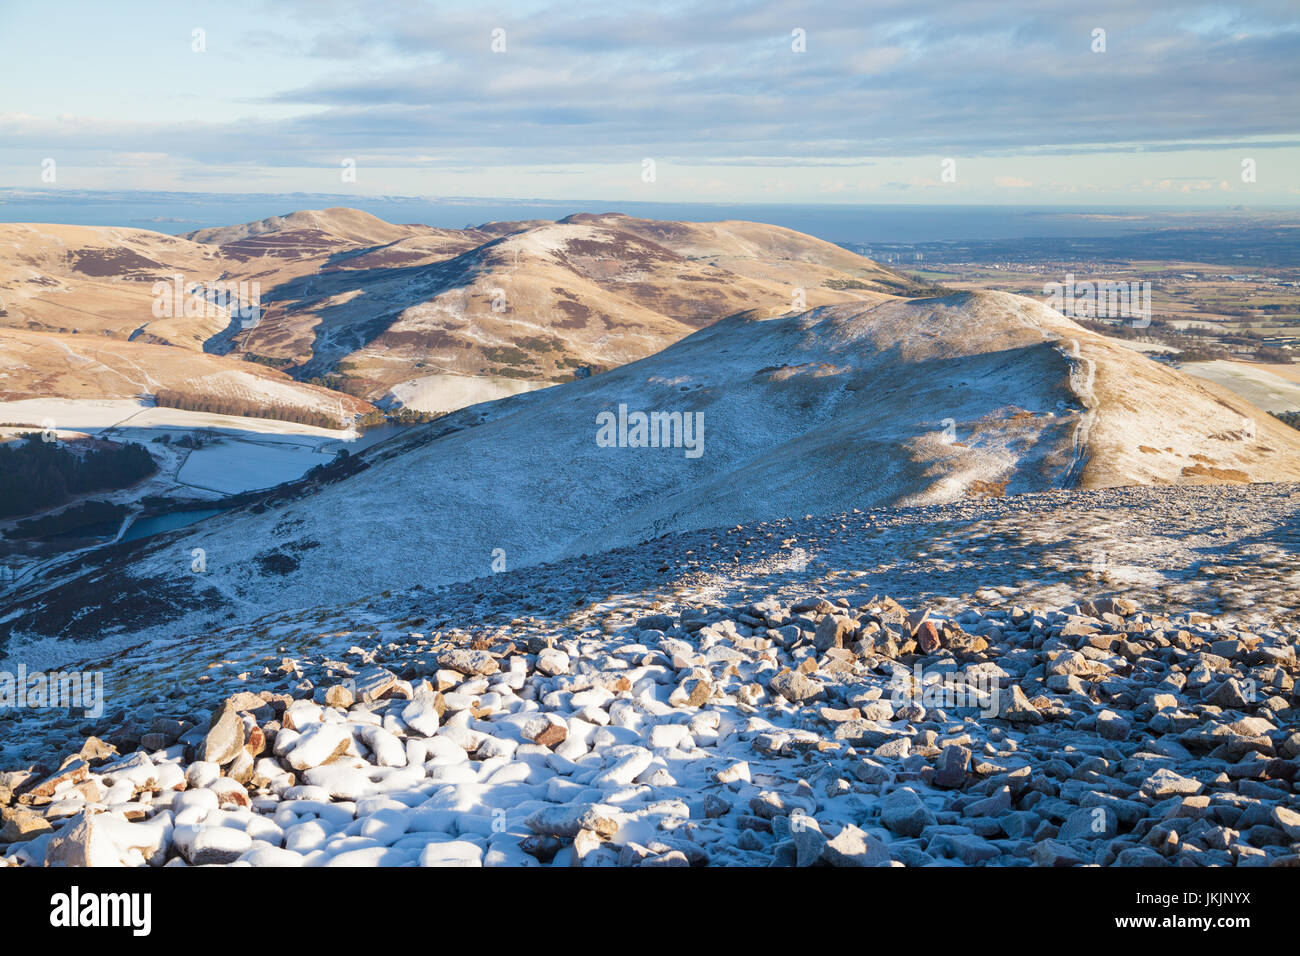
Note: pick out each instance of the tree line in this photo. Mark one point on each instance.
(36, 474)
(226, 405)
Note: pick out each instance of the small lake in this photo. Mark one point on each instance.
(370, 436)
(144, 527)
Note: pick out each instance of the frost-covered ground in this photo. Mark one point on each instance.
(444, 392)
(230, 467)
(137, 421)
(899, 403)
(738, 696)
(1269, 391)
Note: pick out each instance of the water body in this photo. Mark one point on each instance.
(367, 437)
(157, 524)
(177, 213)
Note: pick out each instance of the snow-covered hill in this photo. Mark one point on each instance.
(904, 402)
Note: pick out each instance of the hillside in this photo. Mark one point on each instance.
(900, 403)
(512, 306)
(957, 684)
(433, 319)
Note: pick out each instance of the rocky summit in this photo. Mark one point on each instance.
(956, 685)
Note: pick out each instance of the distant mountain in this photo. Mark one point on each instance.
(407, 313)
(892, 402)
(402, 314)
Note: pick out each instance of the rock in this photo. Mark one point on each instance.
(424, 713)
(628, 763)
(1112, 726)
(809, 842)
(95, 750)
(201, 773)
(656, 622)
(375, 684)
(671, 858)
(543, 848)
(83, 841)
(715, 806)
(1166, 783)
(568, 819)
(552, 663)
(23, 825)
(953, 764)
(669, 736)
(75, 771)
(733, 773)
(1088, 824)
(320, 744)
(1288, 821)
(339, 695)
(201, 845)
(452, 853)
(927, 637)
(1116, 605)
(994, 805)
(1054, 853)
(903, 813)
(254, 740)
(545, 730)
(898, 748)
(1234, 693)
(691, 692)
(230, 793)
(1014, 707)
(225, 737)
(1139, 856)
(833, 630)
(854, 847)
(795, 687)
(966, 847)
(469, 662)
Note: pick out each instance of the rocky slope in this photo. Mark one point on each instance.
(741, 697)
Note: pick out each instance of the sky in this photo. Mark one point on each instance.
(835, 102)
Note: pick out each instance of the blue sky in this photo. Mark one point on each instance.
(716, 94)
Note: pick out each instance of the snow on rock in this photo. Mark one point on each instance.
(889, 764)
(744, 710)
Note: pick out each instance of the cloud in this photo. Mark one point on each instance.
(412, 84)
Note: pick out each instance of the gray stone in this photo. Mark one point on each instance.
(854, 847)
(903, 813)
(796, 687)
(1089, 824)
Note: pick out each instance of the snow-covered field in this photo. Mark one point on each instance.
(139, 421)
(444, 392)
(231, 466)
(1269, 391)
(1148, 347)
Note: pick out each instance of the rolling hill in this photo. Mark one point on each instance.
(897, 402)
(433, 319)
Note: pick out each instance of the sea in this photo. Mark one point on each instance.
(176, 213)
